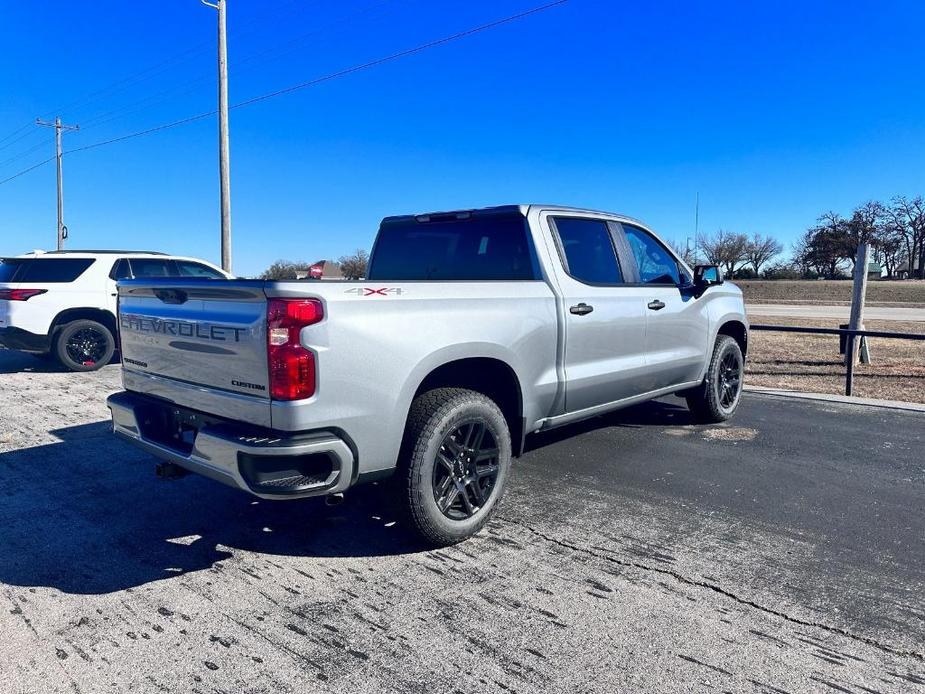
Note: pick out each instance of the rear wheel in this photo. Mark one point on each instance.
(717, 398)
(84, 345)
(455, 463)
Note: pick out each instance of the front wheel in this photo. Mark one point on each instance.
(717, 398)
(84, 345)
(455, 463)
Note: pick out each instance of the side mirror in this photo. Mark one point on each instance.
(707, 276)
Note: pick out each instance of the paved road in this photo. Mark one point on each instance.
(633, 553)
(839, 312)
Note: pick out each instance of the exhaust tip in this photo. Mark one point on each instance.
(334, 499)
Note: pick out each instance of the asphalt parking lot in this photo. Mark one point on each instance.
(635, 552)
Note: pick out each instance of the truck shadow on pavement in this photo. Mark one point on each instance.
(87, 515)
(670, 412)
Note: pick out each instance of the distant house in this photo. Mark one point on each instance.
(902, 272)
(322, 270)
(874, 270)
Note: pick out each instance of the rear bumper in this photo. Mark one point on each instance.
(265, 463)
(17, 338)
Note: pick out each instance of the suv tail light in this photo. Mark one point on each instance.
(292, 367)
(20, 294)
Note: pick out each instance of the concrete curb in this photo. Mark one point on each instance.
(843, 399)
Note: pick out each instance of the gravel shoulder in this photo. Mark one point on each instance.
(634, 553)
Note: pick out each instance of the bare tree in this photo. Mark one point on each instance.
(285, 270)
(866, 225)
(907, 220)
(683, 251)
(825, 246)
(761, 250)
(724, 248)
(354, 265)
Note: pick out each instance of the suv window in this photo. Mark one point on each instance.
(589, 251)
(47, 270)
(188, 268)
(8, 268)
(495, 247)
(121, 270)
(152, 267)
(656, 265)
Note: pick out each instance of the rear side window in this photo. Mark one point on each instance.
(151, 267)
(45, 270)
(187, 268)
(496, 247)
(8, 268)
(589, 252)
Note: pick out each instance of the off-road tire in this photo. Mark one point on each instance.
(436, 415)
(100, 357)
(706, 401)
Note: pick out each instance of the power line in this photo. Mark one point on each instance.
(25, 171)
(242, 64)
(27, 126)
(312, 82)
(24, 153)
(155, 70)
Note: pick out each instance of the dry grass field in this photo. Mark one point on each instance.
(879, 293)
(812, 363)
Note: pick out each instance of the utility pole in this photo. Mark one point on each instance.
(59, 128)
(223, 164)
(696, 225)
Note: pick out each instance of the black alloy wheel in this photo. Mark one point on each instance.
(84, 345)
(87, 346)
(730, 379)
(466, 470)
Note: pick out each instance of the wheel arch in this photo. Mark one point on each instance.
(490, 376)
(737, 330)
(100, 315)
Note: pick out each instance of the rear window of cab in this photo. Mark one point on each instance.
(444, 247)
(45, 270)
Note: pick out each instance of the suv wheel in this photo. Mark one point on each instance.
(455, 463)
(717, 398)
(84, 345)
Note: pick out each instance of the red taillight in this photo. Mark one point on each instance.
(20, 294)
(292, 367)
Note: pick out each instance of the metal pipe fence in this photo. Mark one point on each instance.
(851, 335)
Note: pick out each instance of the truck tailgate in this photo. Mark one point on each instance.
(184, 339)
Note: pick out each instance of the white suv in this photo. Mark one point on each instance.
(63, 303)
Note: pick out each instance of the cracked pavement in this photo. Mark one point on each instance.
(635, 552)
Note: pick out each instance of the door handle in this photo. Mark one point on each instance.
(656, 305)
(581, 309)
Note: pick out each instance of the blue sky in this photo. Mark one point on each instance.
(773, 112)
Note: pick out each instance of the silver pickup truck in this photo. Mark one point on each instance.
(473, 329)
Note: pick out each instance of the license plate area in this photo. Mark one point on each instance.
(173, 427)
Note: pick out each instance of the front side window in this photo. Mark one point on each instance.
(656, 265)
(589, 251)
(188, 268)
(151, 267)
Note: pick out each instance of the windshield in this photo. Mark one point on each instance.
(495, 247)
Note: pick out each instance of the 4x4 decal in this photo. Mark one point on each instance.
(368, 291)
